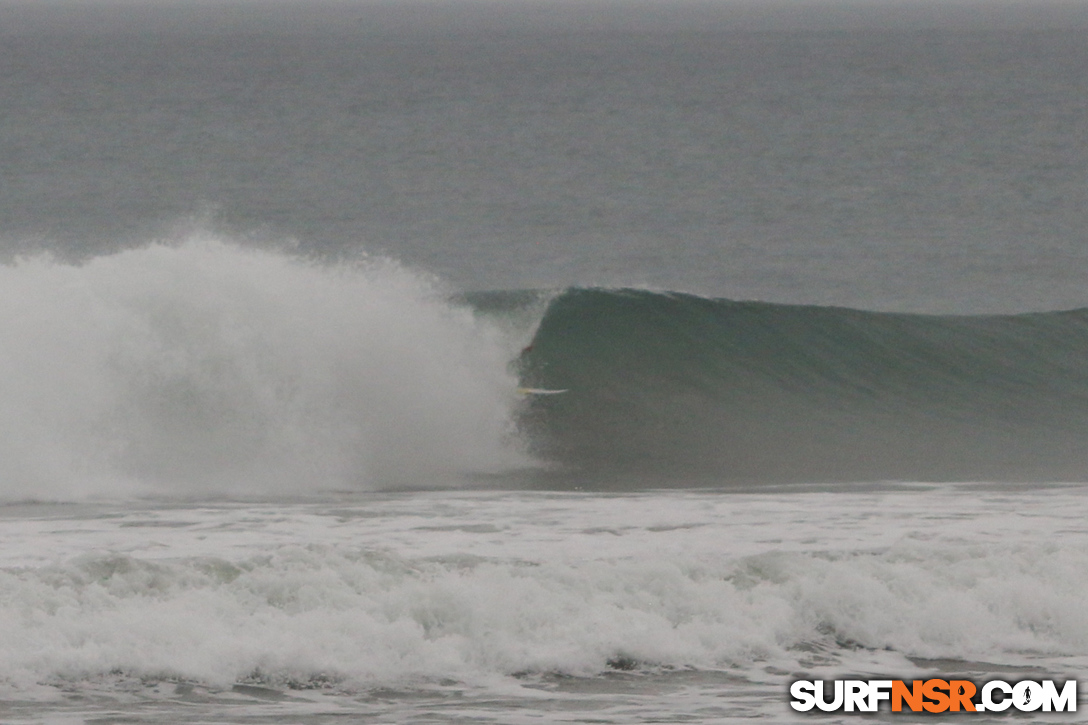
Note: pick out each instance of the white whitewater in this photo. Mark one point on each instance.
(201, 367)
(501, 597)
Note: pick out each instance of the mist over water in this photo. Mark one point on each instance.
(203, 367)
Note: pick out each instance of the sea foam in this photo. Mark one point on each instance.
(204, 367)
(413, 589)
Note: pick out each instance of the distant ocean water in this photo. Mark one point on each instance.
(811, 276)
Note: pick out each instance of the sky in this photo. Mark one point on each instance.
(450, 15)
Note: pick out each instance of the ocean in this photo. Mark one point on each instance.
(278, 279)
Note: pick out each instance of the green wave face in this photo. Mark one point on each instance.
(679, 387)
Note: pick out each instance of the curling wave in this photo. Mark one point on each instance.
(204, 368)
(748, 391)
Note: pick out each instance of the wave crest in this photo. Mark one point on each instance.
(752, 391)
(205, 367)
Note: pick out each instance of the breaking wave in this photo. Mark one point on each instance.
(204, 367)
(749, 391)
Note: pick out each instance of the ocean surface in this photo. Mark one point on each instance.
(274, 277)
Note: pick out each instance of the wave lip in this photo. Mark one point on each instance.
(718, 390)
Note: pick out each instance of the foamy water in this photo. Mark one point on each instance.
(695, 602)
(201, 367)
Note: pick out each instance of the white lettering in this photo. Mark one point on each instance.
(879, 690)
(1066, 700)
(1027, 696)
(987, 695)
(834, 704)
(803, 697)
(857, 695)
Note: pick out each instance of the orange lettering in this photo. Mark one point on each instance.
(901, 693)
(961, 692)
(932, 690)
